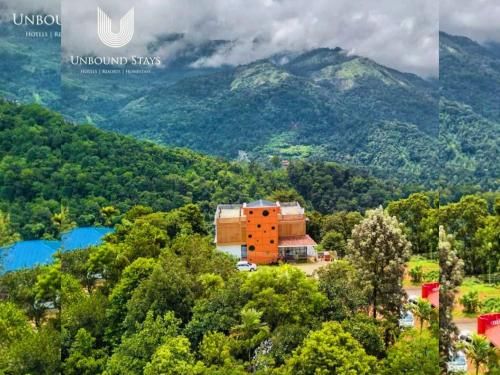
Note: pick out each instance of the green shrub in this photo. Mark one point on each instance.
(490, 305)
(431, 276)
(470, 301)
(416, 274)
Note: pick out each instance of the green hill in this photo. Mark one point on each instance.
(469, 112)
(322, 105)
(46, 162)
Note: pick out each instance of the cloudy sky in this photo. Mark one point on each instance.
(398, 33)
(23, 6)
(476, 19)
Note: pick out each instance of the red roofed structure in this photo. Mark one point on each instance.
(297, 241)
(430, 292)
(489, 326)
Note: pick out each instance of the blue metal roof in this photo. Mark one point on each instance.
(81, 238)
(29, 254)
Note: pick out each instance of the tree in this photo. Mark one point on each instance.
(330, 350)
(215, 351)
(131, 277)
(464, 219)
(81, 310)
(62, 220)
(416, 274)
(289, 195)
(284, 295)
(334, 241)
(14, 325)
(36, 353)
(342, 222)
(250, 332)
(83, 358)
(7, 234)
(488, 242)
(411, 212)
(423, 311)
(413, 353)
(217, 310)
(470, 302)
(20, 288)
(339, 281)
(109, 213)
(136, 350)
(174, 357)
(368, 331)
(478, 351)
(450, 278)
(379, 251)
(48, 285)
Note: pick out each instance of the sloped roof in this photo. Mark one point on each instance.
(296, 241)
(29, 254)
(80, 238)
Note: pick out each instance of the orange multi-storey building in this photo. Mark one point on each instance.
(263, 232)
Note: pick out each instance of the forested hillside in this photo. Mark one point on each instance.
(323, 104)
(168, 303)
(469, 112)
(49, 167)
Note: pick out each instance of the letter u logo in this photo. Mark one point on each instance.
(108, 37)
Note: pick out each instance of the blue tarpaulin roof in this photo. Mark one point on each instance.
(28, 254)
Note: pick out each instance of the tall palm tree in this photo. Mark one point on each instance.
(478, 350)
(423, 311)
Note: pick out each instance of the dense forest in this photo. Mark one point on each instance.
(49, 167)
(175, 305)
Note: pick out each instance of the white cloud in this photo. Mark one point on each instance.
(476, 19)
(398, 33)
(26, 6)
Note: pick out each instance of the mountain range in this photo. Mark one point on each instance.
(323, 104)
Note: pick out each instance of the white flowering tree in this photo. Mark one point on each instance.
(380, 250)
(451, 276)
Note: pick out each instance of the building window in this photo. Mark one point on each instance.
(293, 253)
(272, 241)
(265, 213)
(258, 225)
(250, 212)
(273, 227)
(249, 236)
(251, 247)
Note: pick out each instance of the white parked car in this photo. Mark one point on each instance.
(407, 320)
(246, 266)
(457, 363)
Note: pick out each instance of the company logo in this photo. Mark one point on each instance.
(110, 38)
(36, 19)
